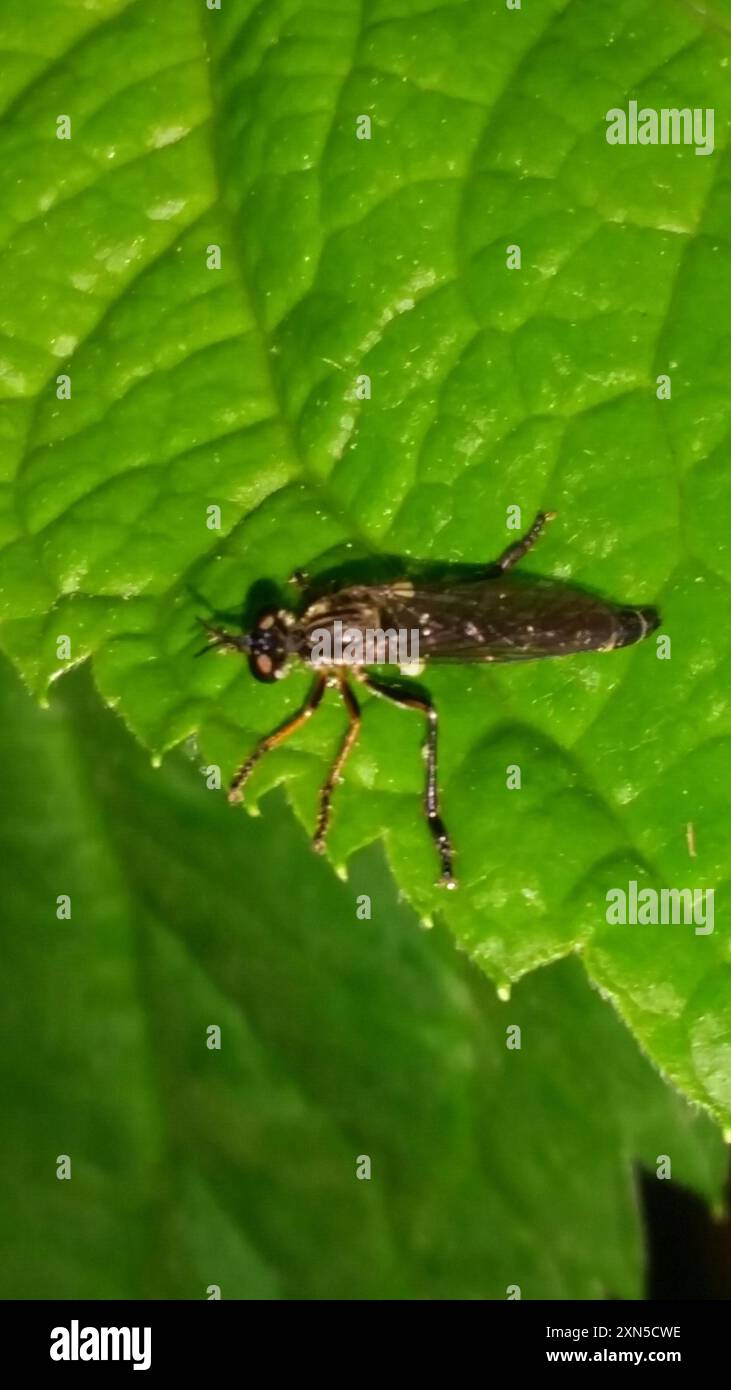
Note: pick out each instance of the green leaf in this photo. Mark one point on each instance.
(341, 1037)
(195, 388)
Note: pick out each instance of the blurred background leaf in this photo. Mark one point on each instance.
(340, 1037)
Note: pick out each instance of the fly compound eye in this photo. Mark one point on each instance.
(262, 666)
(267, 649)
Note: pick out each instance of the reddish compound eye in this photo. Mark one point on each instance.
(267, 645)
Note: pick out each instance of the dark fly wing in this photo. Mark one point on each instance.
(504, 619)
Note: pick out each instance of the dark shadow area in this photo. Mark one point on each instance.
(688, 1253)
(262, 595)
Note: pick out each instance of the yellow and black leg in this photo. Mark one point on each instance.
(410, 700)
(235, 791)
(328, 787)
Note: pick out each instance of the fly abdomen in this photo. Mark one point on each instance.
(633, 624)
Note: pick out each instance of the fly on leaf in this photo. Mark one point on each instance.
(494, 617)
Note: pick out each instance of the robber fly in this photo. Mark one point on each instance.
(495, 616)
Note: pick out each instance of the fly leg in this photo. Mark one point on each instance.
(279, 735)
(518, 549)
(328, 787)
(439, 833)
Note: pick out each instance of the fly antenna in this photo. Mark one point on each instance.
(219, 638)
